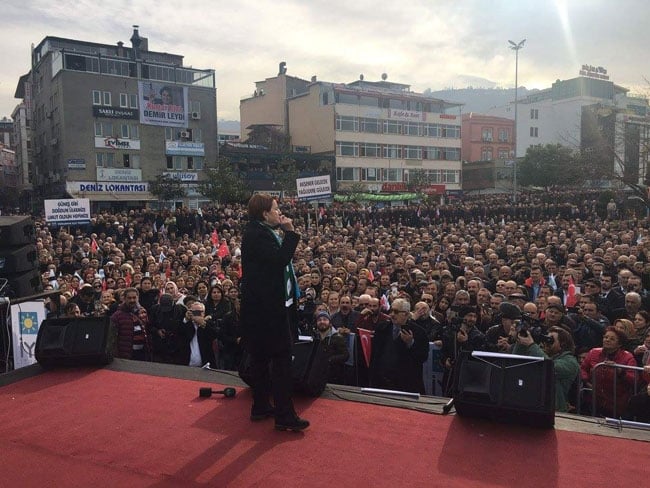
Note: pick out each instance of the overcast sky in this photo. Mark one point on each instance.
(425, 43)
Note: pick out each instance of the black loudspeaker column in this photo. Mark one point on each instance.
(505, 388)
(75, 342)
(19, 256)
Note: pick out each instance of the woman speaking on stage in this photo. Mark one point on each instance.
(268, 301)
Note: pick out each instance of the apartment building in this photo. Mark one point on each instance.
(105, 120)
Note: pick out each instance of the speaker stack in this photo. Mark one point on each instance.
(19, 257)
(505, 388)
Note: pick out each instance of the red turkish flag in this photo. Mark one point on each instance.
(93, 246)
(215, 238)
(571, 293)
(365, 336)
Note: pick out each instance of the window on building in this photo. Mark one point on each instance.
(170, 162)
(431, 152)
(412, 152)
(346, 98)
(486, 135)
(98, 129)
(195, 106)
(368, 150)
(393, 174)
(124, 100)
(503, 135)
(432, 130)
(347, 149)
(412, 129)
(124, 131)
(325, 98)
(452, 154)
(99, 160)
(198, 162)
(126, 160)
(392, 127)
(449, 176)
(451, 131)
(534, 132)
(109, 160)
(135, 161)
(370, 174)
(503, 153)
(534, 113)
(169, 133)
(486, 154)
(178, 163)
(398, 104)
(197, 135)
(347, 123)
(190, 163)
(106, 98)
(347, 174)
(133, 100)
(370, 125)
(135, 131)
(97, 97)
(369, 101)
(392, 151)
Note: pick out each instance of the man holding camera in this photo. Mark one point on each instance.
(196, 335)
(558, 346)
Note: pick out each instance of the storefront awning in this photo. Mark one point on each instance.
(114, 197)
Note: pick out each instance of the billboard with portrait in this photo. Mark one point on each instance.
(163, 104)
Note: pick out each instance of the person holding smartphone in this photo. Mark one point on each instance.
(399, 349)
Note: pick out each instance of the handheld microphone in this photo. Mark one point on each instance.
(207, 392)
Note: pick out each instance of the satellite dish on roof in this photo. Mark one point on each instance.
(384, 76)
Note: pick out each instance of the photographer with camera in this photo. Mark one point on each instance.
(498, 338)
(557, 345)
(461, 335)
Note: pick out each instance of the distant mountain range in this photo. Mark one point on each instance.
(479, 100)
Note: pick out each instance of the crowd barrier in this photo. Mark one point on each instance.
(583, 390)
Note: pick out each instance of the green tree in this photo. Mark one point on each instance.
(287, 174)
(167, 188)
(549, 165)
(222, 184)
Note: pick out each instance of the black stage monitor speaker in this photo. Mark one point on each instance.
(18, 259)
(505, 388)
(23, 284)
(17, 230)
(74, 342)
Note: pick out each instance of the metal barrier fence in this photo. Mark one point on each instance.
(594, 386)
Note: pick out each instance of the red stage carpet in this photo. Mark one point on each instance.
(97, 428)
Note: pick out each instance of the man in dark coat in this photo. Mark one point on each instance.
(399, 349)
(269, 297)
(196, 334)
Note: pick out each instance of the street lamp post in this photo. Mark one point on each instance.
(515, 47)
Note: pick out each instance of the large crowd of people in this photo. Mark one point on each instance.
(554, 274)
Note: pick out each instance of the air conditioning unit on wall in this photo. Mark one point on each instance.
(185, 134)
(196, 115)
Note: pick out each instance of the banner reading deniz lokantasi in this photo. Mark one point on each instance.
(163, 104)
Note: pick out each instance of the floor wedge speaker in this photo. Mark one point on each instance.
(505, 388)
(75, 342)
(17, 230)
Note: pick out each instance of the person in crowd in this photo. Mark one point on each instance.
(165, 320)
(71, 310)
(346, 317)
(333, 346)
(611, 401)
(269, 296)
(499, 337)
(132, 338)
(399, 348)
(85, 299)
(196, 335)
(148, 294)
(561, 351)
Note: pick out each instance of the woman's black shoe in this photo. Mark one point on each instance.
(295, 424)
(261, 414)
